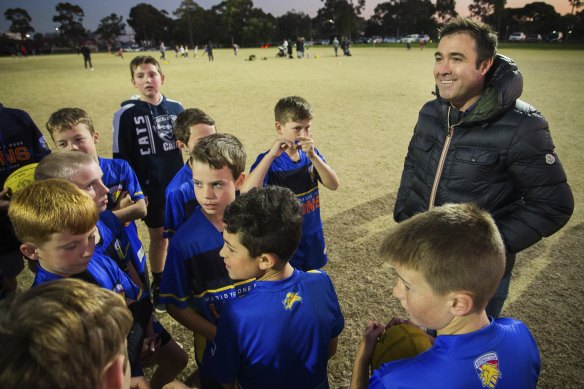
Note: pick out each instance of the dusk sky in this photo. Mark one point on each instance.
(42, 11)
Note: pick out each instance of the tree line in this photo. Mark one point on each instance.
(238, 21)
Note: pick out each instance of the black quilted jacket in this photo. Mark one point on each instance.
(501, 157)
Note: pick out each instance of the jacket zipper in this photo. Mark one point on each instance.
(441, 161)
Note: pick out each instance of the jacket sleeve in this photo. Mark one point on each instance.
(122, 133)
(405, 185)
(546, 202)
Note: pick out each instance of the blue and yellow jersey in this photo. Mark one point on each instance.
(180, 201)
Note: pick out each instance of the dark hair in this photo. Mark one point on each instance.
(484, 36)
(141, 60)
(187, 118)
(292, 108)
(268, 220)
(220, 150)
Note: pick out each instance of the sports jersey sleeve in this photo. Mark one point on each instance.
(123, 144)
(255, 164)
(131, 181)
(174, 285)
(224, 354)
(174, 213)
(339, 322)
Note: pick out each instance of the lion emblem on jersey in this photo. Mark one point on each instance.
(291, 299)
(487, 368)
(163, 127)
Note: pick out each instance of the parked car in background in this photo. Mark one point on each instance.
(517, 37)
(533, 38)
(390, 39)
(555, 36)
(375, 39)
(416, 38)
(362, 39)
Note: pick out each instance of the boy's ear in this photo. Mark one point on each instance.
(96, 137)
(30, 251)
(113, 374)
(240, 180)
(181, 146)
(461, 303)
(267, 261)
(279, 128)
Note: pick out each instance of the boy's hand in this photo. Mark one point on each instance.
(396, 320)
(307, 145)
(124, 200)
(278, 147)
(372, 331)
(139, 383)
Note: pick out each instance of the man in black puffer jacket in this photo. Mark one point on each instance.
(476, 142)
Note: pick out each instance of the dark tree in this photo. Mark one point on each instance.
(340, 17)
(445, 10)
(110, 28)
(70, 19)
(407, 17)
(20, 20)
(149, 23)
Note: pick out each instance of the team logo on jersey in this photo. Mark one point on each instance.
(119, 289)
(291, 299)
(163, 127)
(487, 367)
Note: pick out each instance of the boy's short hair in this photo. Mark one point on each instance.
(65, 118)
(484, 36)
(268, 220)
(48, 207)
(62, 165)
(187, 118)
(292, 108)
(220, 150)
(142, 60)
(61, 334)
(456, 247)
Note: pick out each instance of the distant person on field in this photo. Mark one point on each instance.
(294, 162)
(448, 262)
(21, 144)
(209, 51)
(62, 242)
(235, 48)
(336, 45)
(196, 284)
(86, 57)
(477, 142)
(65, 334)
(191, 125)
(300, 47)
(120, 52)
(143, 136)
(72, 130)
(282, 333)
(290, 49)
(162, 51)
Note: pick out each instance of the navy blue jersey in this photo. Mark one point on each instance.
(500, 355)
(143, 136)
(278, 335)
(21, 143)
(180, 201)
(118, 176)
(105, 273)
(302, 178)
(114, 241)
(195, 274)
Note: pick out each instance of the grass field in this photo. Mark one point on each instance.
(365, 109)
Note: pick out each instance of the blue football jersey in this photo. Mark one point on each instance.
(502, 355)
(278, 335)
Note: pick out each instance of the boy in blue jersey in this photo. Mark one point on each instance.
(449, 261)
(195, 284)
(56, 221)
(282, 333)
(294, 162)
(72, 130)
(111, 236)
(191, 125)
(143, 136)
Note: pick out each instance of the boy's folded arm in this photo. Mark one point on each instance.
(327, 175)
(193, 321)
(135, 211)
